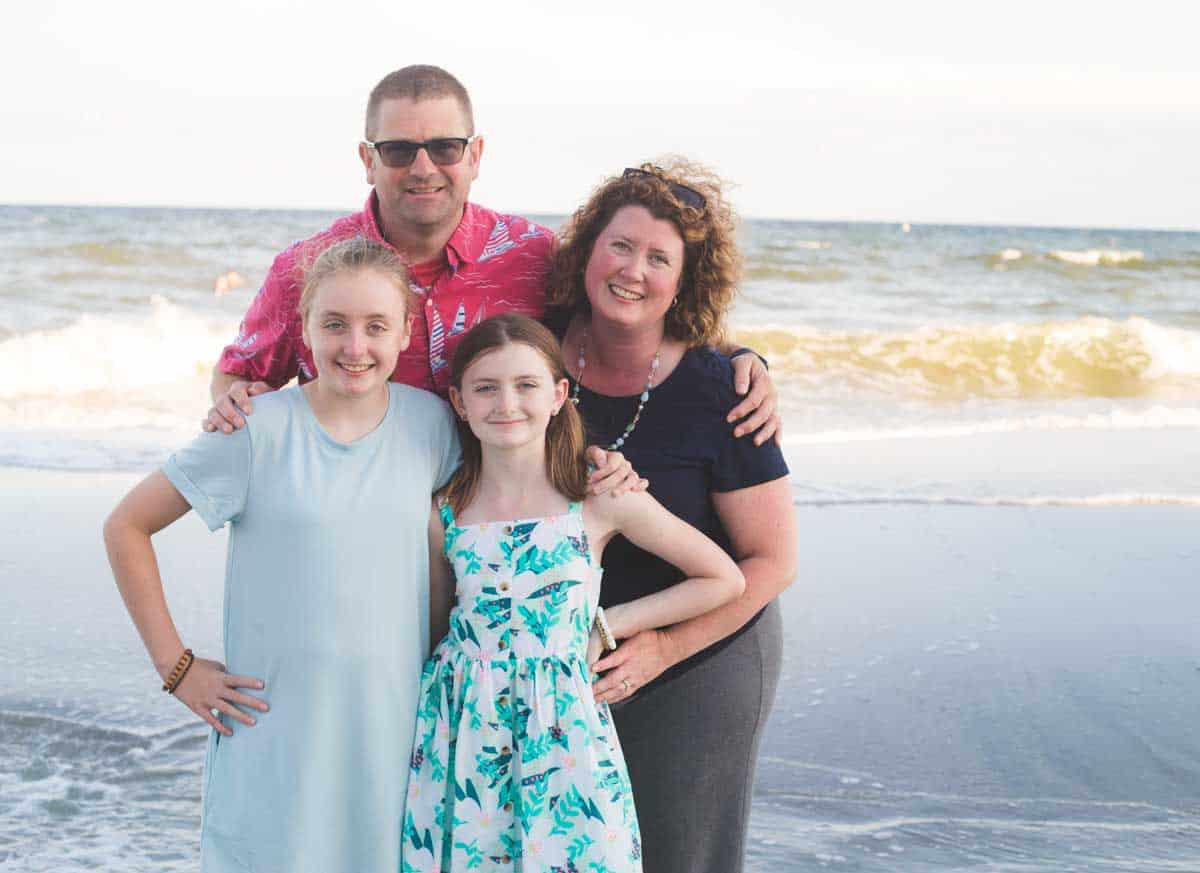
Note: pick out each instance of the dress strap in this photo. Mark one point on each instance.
(445, 513)
(575, 514)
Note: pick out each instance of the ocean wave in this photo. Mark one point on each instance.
(124, 787)
(853, 827)
(1098, 257)
(787, 245)
(1061, 260)
(794, 274)
(1087, 357)
(1153, 418)
(1033, 500)
(111, 355)
(114, 253)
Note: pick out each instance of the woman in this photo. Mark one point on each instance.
(644, 278)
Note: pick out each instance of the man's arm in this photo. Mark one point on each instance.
(231, 397)
(264, 352)
(758, 409)
(750, 374)
(221, 383)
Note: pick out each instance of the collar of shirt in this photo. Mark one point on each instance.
(464, 246)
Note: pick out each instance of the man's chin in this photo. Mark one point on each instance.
(429, 215)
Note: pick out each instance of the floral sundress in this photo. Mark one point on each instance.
(515, 767)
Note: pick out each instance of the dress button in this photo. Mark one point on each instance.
(503, 701)
(508, 530)
(508, 807)
(502, 645)
(503, 586)
(505, 750)
(506, 859)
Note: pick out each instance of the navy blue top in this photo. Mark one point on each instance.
(686, 450)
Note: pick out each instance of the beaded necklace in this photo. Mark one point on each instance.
(620, 441)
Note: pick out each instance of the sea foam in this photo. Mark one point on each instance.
(1085, 357)
(111, 353)
(1117, 419)
(1098, 257)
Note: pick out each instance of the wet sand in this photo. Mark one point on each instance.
(965, 687)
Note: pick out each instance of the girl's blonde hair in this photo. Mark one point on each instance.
(566, 465)
(351, 256)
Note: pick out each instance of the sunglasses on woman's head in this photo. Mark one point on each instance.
(397, 153)
(687, 196)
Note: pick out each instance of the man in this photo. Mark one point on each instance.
(421, 154)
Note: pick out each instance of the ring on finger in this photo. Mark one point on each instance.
(625, 685)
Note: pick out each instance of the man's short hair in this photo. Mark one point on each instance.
(418, 82)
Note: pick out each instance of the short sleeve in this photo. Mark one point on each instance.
(448, 448)
(265, 346)
(213, 475)
(739, 462)
(742, 464)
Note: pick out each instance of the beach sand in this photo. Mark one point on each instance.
(965, 683)
(961, 684)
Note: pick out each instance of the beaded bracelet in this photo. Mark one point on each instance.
(181, 667)
(601, 624)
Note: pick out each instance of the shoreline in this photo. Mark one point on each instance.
(961, 685)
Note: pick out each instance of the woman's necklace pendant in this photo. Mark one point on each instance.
(642, 400)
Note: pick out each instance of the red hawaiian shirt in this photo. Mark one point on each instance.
(493, 263)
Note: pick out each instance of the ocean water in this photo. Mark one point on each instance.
(1028, 397)
(111, 319)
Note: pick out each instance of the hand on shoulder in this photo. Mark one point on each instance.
(230, 407)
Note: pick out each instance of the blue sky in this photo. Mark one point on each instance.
(1030, 113)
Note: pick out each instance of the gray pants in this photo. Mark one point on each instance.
(691, 745)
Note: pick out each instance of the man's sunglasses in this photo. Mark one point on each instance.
(443, 151)
(687, 196)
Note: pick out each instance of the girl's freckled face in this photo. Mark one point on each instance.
(508, 395)
(357, 326)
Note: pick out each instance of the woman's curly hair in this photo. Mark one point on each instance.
(712, 259)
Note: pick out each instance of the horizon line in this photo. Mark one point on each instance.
(912, 222)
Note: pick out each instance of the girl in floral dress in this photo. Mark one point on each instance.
(515, 767)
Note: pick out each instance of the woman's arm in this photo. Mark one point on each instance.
(761, 523)
(713, 578)
(441, 582)
(151, 506)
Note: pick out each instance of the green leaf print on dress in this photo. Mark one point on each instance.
(515, 766)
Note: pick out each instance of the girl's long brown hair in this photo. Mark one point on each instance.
(566, 465)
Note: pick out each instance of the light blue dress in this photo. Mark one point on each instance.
(327, 601)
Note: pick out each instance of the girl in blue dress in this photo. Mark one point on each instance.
(326, 491)
(515, 766)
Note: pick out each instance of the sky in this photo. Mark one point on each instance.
(1045, 113)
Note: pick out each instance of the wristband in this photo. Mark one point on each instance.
(601, 624)
(181, 667)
